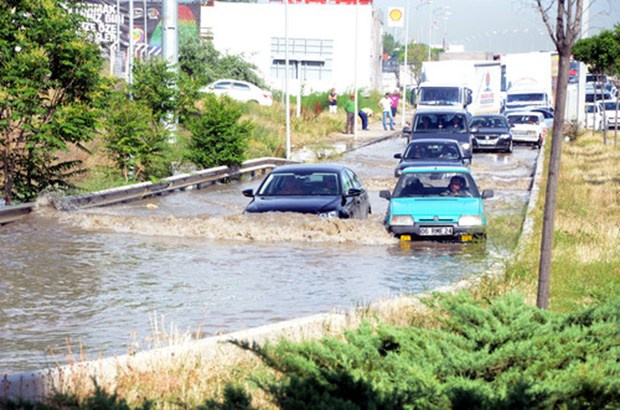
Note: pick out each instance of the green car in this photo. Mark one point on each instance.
(436, 202)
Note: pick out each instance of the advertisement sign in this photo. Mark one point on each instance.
(396, 17)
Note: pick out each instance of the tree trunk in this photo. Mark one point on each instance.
(544, 274)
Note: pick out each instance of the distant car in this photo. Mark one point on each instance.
(528, 127)
(491, 132)
(612, 114)
(430, 152)
(424, 204)
(241, 91)
(594, 116)
(442, 123)
(325, 190)
(547, 114)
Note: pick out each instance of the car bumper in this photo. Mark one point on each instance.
(491, 144)
(459, 233)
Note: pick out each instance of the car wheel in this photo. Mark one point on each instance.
(509, 149)
(539, 143)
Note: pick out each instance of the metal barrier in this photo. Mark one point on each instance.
(143, 190)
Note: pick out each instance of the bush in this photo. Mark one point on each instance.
(218, 136)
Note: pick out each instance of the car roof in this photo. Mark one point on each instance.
(433, 140)
(440, 110)
(488, 116)
(309, 168)
(526, 113)
(436, 168)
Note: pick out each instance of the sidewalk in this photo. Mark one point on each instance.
(348, 142)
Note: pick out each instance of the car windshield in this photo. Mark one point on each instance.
(525, 97)
(289, 183)
(488, 122)
(439, 95)
(590, 97)
(432, 150)
(611, 106)
(434, 122)
(523, 119)
(590, 108)
(425, 184)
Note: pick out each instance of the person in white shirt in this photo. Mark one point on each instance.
(386, 106)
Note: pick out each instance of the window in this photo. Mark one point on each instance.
(309, 59)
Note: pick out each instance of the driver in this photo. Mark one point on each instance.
(456, 187)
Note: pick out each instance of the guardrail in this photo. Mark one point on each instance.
(143, 190)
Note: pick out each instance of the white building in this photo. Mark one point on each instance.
(322, 41)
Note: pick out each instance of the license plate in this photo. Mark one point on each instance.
(486, 142)
(436, 231)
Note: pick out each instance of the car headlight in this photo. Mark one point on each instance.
(470, 220)
(465, 146)
(504, 136)
(402, 220)
(328, 215)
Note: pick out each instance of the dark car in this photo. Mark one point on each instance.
(442, 123)
(491, 132)
(325, 190)
(430, 152)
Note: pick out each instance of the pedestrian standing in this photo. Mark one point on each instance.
(395, 97)
(332, 101)
(386, 106)
(349, 108)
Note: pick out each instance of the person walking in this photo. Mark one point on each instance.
(386, 106)
(332, 101)
(349, 108)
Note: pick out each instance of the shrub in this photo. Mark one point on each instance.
(218, 136)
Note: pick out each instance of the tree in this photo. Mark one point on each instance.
(135, 137)
(155, 85)
(49, 73)
(564, 34)
(416, 54)
(218, 135)
(200, 60)
(602, 55)
(390, 45)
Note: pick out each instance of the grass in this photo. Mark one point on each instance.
(585, 272)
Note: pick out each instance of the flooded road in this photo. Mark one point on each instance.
(101, 278)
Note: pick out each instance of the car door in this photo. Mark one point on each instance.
(221, 87)
(358, 205)
(241, 91)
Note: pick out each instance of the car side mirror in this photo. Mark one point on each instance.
(398, 156)
(487, 193)
(248, 192)
(406, 130)
(385, 194)
(354, 192)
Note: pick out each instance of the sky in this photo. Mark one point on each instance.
(498, 26)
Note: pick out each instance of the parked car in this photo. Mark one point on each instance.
(612, 116)
(528, 127)
(326, 190)
(439, 202)
(430, 152)
(241, 91)
(594, 115)
(442, 123)
(491, 132)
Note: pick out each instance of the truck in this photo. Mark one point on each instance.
(528, 80)
(469, 84)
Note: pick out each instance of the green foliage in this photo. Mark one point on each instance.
(219, 137)
(48, 75)
(601, 52)
(390, 45)
(503, 355)
(204, 64)
(154, 84)
(135, 139)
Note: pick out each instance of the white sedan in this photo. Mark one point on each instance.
(528, 127)
(241, 91)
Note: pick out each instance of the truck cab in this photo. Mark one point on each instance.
(442, 95)
(521, 99)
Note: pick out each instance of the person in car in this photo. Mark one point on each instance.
(456, 123)
(414, 187)
(290, 187)
(456, 187)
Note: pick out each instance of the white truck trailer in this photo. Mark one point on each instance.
(473, 85)
(528, 80)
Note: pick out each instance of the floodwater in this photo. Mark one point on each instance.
(101, 280)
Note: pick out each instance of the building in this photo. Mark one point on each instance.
(322, 41)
